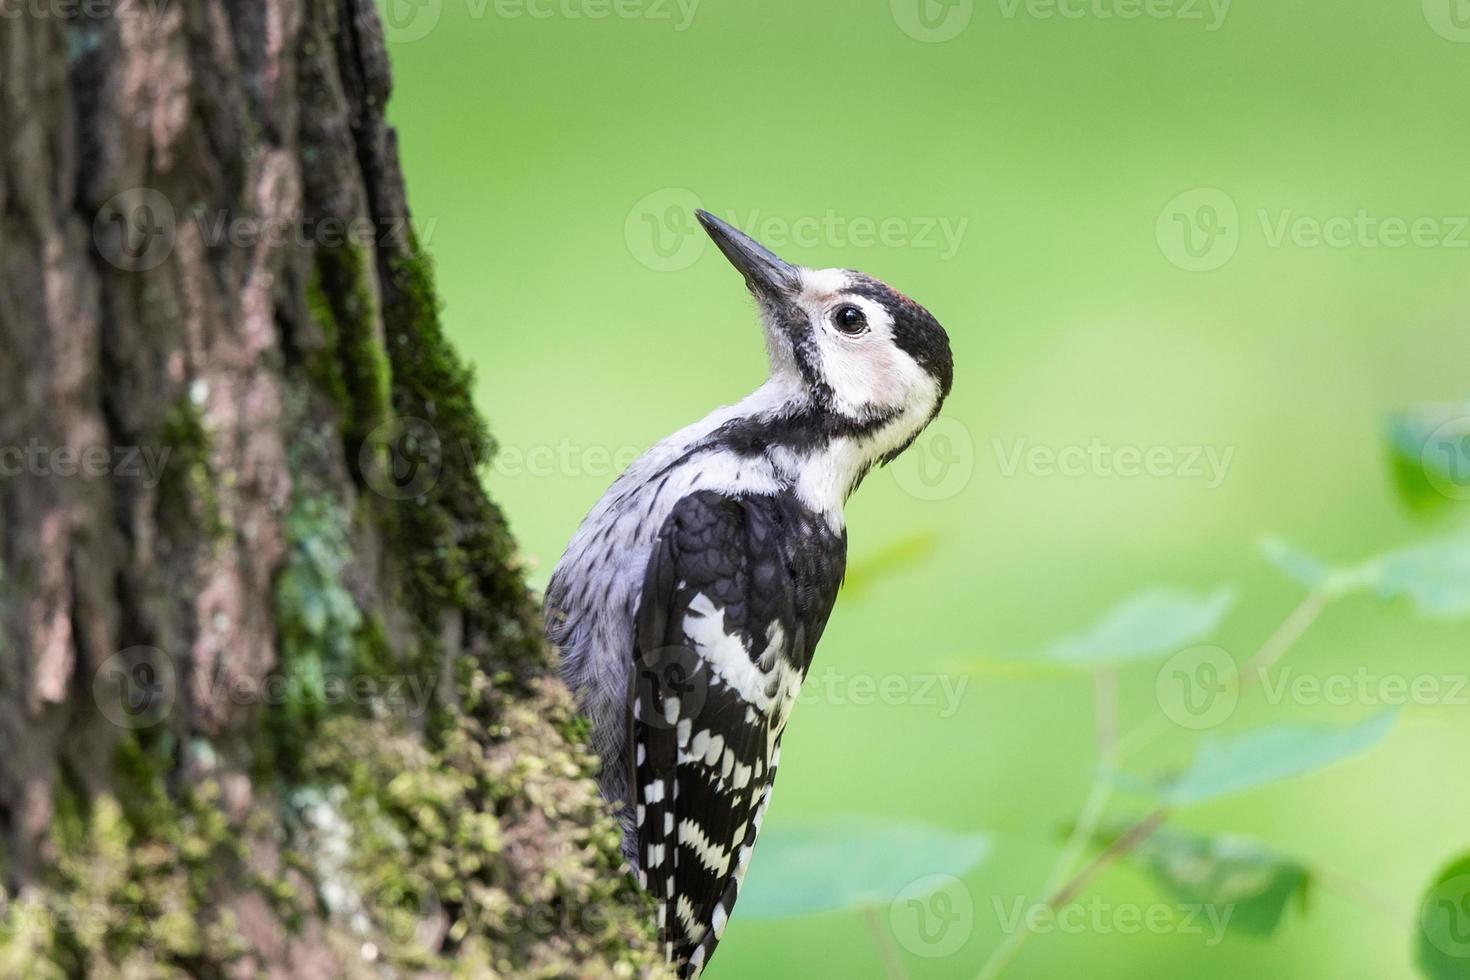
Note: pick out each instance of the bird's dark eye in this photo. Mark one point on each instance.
(850, 320)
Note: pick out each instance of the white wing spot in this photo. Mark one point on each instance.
(712, 753)
(718, 920)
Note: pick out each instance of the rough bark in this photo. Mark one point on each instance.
(273, 698)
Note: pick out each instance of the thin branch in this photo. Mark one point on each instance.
(1113, 748)
(1119, 848)
(1130, 839)
(1362, 894)
(892, 962)
(1282, 640)
(1276, 646)
(1105, 712)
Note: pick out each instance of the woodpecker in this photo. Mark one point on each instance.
(690, 600)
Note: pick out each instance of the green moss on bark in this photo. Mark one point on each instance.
(461, 550)
(186, 483)
(351, 368)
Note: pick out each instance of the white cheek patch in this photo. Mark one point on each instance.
(870, 371)
(866, 373)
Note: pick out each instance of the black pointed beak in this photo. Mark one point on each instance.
(765, 272)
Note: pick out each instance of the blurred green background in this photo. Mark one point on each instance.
(552, 156)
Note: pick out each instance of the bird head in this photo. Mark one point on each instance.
(870, 363)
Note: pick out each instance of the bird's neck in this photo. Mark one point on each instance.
(820, 456)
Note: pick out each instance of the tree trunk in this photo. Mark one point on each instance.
(273, 695)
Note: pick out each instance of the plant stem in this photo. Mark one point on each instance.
(1363, 894)
(1130, 839)
(1275, 646)
(1282, 640)
(1126, 842)
(1111, 750)
(1105, 710)
(892, 962)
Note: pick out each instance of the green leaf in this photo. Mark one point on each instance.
(1435, 577)
(1236, 763)
(1442, 945)
(896, 555)
(1256, 884)
(1148, 624)
(1306, 570)
(850, 863)
(1429, 454)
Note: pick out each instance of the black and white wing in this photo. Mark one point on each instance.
(735, 596)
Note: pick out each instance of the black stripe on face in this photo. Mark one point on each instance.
(915, 331)
(793, 324)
